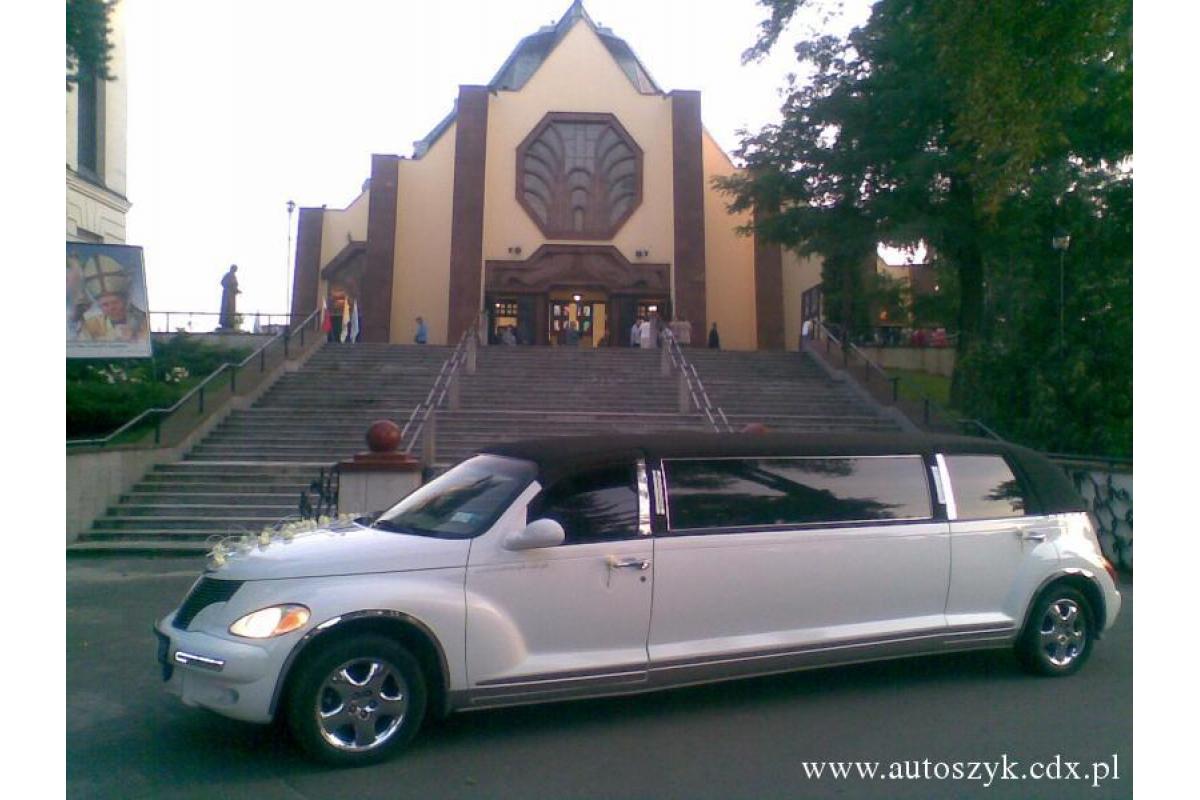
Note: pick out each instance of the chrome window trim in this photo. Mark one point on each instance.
(643, 492)
(936, 473)
(948, 485)
(660, 496)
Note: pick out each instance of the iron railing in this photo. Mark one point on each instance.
(172, 425)
(325, 494)
(160, 321)
(423, 417)
(694, 386)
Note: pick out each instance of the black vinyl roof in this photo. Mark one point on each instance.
(558, 456)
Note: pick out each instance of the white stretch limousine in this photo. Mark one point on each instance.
(584, 566)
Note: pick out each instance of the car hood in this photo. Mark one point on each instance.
(346, 549)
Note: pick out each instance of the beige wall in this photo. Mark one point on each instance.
(337, 223)
(424, 216)
(729, 261)
(579, 75)
(800, 273)
(97, 209)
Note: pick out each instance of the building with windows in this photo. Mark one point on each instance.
(570, 191)
(96, 125)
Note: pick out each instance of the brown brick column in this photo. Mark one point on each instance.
(768, 294)
(687, 144)
(306, 272)
(466, 233)
(375, 290)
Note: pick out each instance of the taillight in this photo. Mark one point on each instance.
(1110, 569)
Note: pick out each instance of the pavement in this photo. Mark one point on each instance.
(935, 720)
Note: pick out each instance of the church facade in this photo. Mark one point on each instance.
(570, 191)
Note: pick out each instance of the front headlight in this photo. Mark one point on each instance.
(273, 621)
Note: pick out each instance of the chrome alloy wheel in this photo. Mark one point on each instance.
(1063, 632)
(361, 704)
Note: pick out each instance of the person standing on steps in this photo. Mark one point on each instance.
(714, 338)
(422, 336)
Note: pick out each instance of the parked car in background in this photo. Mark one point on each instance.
(578, 567)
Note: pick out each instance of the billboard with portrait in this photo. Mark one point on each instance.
(106, 302)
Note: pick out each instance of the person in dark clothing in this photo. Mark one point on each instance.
(714, 338)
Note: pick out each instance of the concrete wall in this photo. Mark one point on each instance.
(729, 261)
(337, 224)
(800, 273)
(96, 479)
(424, 211)
(222, 340)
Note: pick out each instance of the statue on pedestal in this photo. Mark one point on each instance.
(229, 293)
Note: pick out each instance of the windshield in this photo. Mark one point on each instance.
(463, 502)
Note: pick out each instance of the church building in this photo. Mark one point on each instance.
(571, 190)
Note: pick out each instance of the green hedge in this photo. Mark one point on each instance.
(102, 395)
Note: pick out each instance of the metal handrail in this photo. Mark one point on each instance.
(700, 398)
(198, 389)
(445, 376)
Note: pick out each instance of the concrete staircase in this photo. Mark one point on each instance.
(523, 392)
(249, 472)
(787, 392)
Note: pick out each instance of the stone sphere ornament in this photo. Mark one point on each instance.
(383, 436)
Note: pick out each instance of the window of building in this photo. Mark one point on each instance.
(88, 91)
(737, 492)
(596, 505)
(985, 487)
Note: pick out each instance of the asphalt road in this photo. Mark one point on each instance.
(941, 719)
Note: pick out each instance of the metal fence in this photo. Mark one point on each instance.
(206, 321)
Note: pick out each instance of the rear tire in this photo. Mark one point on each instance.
(358, 701)
(1059, 634)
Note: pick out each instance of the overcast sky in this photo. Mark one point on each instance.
(236, 107)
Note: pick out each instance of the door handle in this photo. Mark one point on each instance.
(1027, 535)
(628, 563)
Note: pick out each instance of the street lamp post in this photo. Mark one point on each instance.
(287, 266)
(1060, 242)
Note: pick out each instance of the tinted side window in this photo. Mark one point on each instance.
(718, 493)
(598, 505)
(985, 487)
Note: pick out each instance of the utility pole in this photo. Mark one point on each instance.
(1060, 242)
(287, 266)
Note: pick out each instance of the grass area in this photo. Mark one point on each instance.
(914, 384)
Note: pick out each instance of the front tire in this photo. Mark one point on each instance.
(1058, 637)
(358, 701)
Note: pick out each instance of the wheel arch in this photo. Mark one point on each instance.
(407, 630)
(1082, 581)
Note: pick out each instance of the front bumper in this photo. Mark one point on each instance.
(234, 678)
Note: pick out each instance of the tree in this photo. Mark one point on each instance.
(944, 122)
(88, 45)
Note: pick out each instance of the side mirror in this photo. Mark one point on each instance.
(539, 533)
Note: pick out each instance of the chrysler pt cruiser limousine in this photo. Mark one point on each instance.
(575, 567)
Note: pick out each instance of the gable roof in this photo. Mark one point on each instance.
(533, 50)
